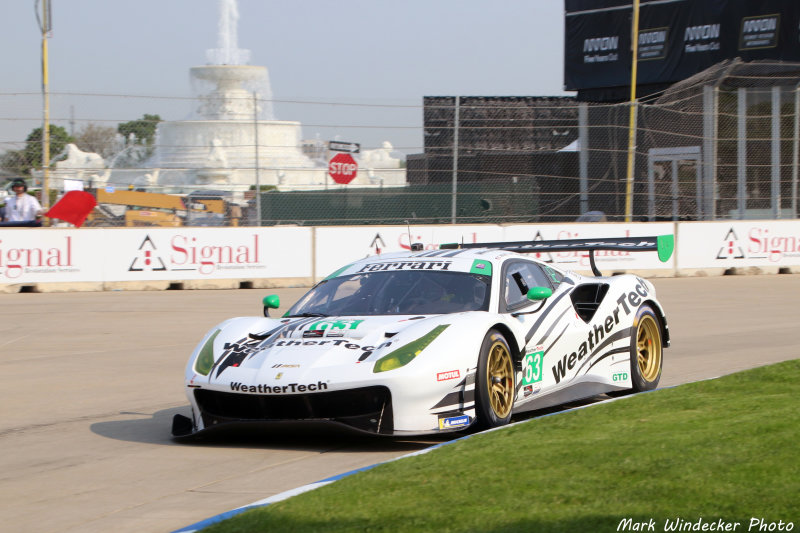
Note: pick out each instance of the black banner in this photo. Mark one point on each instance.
(677, 38)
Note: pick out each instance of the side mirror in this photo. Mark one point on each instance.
(539, 293)
(272, 301)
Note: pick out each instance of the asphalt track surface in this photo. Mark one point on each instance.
(89, 383)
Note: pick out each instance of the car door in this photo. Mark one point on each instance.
(545, 328)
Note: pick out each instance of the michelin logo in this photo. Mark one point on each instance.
(454, 422)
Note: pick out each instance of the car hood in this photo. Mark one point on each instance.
(257, 351)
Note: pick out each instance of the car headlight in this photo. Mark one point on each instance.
(405, 354)
(205, 359)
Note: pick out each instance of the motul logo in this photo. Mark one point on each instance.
(444, 376)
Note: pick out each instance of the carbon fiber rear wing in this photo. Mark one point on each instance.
(663, 244)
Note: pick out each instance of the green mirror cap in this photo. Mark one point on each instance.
(665, 245)
(539, 293)
(272, 301)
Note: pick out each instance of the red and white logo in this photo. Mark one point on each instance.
(146, 258)
(451, 374)
(731, 249)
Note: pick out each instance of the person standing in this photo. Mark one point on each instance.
(22, 207)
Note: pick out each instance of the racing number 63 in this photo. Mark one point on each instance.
(533, 368)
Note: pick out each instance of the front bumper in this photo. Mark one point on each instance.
(366, 409)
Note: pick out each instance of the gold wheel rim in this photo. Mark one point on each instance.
(648, 348)
(500, 380)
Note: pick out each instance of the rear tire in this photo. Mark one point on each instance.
(646, 350)
(494, 382)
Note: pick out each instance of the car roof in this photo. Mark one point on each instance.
(471, 260)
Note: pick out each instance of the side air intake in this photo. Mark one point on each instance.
(587, 298)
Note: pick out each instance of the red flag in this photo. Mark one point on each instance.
(73, 207)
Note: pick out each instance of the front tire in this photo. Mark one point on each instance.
(646, 350)
(494, 382)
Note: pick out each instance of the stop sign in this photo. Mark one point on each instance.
(343, 168)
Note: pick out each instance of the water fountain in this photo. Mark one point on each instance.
(216, 146)
(231, 140)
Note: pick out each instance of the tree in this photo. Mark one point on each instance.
(14, 161)
(32, 153)
(97, 139)
(144, 129)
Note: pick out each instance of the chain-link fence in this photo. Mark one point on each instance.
(722, 144)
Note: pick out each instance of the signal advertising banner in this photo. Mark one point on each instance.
(147, 254)
(739, 244)
(34, 255)
(200, 253)
(29, 256)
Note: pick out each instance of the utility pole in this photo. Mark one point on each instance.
(632, 115)
(46, 26)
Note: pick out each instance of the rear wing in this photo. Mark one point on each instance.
(663, 244)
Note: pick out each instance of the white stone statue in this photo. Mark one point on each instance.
(217, 157)
(379, 157)
(149, 179)
(73, 157)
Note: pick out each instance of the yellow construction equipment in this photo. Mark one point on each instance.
(142, 208)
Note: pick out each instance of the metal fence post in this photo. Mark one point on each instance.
(455, 158)
(741, 151)
(707, 183)
(775, 190)
(795, 149)
(583, 155)
(651, 187)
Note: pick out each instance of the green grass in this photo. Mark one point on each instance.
(721, 449)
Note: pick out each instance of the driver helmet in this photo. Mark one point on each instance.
(19, 182)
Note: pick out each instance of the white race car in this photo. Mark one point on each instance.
(434, 341)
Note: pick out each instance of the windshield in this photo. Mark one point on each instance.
(396, 293)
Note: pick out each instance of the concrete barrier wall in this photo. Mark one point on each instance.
(738, 247)
(53, 259)
(57, 259)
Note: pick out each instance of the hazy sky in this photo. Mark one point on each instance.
(385, 55)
